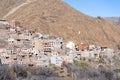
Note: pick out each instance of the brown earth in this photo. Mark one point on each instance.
(7, 5)
(57, 18)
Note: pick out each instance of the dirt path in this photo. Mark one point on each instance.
(16, 8)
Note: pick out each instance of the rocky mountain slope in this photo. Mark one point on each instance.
(8, 5)
(57, 18)
(114, 20)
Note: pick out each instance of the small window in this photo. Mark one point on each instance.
(14, 53)
(7, 57)
(18, 40)
(30, 64)
(23, 56)
(15, 59)
(61, 71)
(95, 54)
(30, 55)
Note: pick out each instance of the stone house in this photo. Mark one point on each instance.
(108, 53)
(11, 40)
(41, 60)
(82, 47)
(15, 23)
(68, 58)
(43, 45)
(57, 61)
(2, 21)
(4, 34)
(62, 72)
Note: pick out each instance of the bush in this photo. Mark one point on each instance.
(117, 70)
(81, 64)
(5, 73)
(43, 71)
(20, 71)
(84, 64)
(101, 60)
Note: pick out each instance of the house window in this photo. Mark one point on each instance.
(61, 42)
(79, 54)
(23, 56)
(7, 57)
(31, 65)
(14, 53)
(61, 71)
(95, 54)
(18, 40)
(15, 59)
(30, 55)
(61, 47)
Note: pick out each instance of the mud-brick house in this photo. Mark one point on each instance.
(6, 60)
(3, 43)
(82, 47)
(68, 58)
(12, 30)
(1, 50)
(26, 61)
(39, 35)
(47, 45)
(15, 23)
(56, 43)
(41, 60)
(5, 57)
(2, 21)
(85, 54)
(11, 40)
(4, 27)
(33, 51)
(18, 30)
(97, 52)
(26, 36)
(57, 61)
(108, 53)
(91, 47)
(43, 45)
(23, 54)
(4, 34)
(55, 54)
(62, 72)
(13, 35)
(90, 54)
(15, 42)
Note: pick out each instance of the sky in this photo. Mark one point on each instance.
(104, 8)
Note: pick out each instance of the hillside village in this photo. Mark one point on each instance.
(30, 48)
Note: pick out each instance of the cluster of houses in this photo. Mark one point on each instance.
(29, 48)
